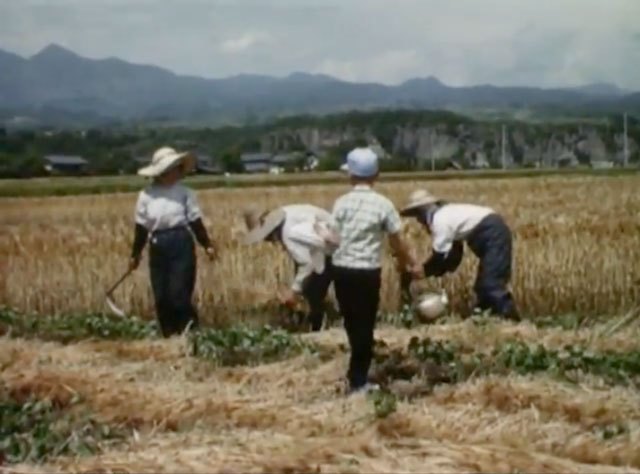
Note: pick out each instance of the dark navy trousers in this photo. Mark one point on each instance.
(172, 263)
(491, 242)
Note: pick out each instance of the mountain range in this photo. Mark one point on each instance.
(59, 87)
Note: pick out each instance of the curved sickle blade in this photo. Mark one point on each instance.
(112, 306)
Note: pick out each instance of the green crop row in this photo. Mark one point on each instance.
(33, 430)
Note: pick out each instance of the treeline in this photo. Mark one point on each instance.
(119, 150)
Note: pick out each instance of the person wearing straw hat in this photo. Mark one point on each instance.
(364, 217)
(309, 236)
(165, 213)
(488, 237)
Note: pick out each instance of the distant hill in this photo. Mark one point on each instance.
(57, 86)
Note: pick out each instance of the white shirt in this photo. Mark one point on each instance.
(455, 222)
(363, 216)
(302, 236)
(164, 207)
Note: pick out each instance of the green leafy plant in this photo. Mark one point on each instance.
(611, 430)
(405, 317)
(565, 321)
(240, 345)
(71, 327)
(435, 351)
(615, 367)
(384, 403)
(34, 430)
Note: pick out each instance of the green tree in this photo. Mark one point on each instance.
(20, 166)
(330, 162)
(230, 160)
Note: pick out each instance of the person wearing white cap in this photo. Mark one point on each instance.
(309, 235)
(165, 211)
(487, 235)
(363, 217)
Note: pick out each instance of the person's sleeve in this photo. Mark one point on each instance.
(454, 257)
(139, 240)
(140, 214)
(200, 232)
(392, 222)
(192, 208)
(442, 235)
(301, 254)
(436, 265)
(440, 263)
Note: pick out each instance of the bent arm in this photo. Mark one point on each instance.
(139, 241)
(301, 248)
(454, 257)
(401, 250)
(436, 265)
(444, 262)
(200, 232)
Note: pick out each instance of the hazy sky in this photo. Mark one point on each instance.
(519, 42)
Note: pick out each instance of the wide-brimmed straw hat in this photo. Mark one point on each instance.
(418, 198)
(166, 158)
(261, 224)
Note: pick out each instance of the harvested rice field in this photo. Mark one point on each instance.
(83, 391)
(519, 410)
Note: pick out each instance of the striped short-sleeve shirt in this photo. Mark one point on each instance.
(363, 216)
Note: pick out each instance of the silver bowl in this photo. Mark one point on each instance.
(430, 306)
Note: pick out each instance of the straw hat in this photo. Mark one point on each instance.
(261, 224)
(166, 158)
(418, 198)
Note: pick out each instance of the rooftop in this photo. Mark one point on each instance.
(248, 157)
(65, 160)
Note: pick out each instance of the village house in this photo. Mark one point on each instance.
(206, 164)
(65, 164)
(256, 162)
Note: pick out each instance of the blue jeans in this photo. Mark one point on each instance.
(172, 263)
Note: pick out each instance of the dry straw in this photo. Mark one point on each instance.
(291, 416)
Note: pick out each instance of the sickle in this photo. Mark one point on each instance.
(110, 303)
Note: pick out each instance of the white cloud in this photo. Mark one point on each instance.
(244, 42)
(462, 42)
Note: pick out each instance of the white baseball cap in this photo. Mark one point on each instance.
(362, 162)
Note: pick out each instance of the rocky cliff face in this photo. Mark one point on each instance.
(470, 145)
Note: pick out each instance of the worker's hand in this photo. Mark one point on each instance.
(288, 297)
(134, 263)
(211, 253)
(417, 271)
